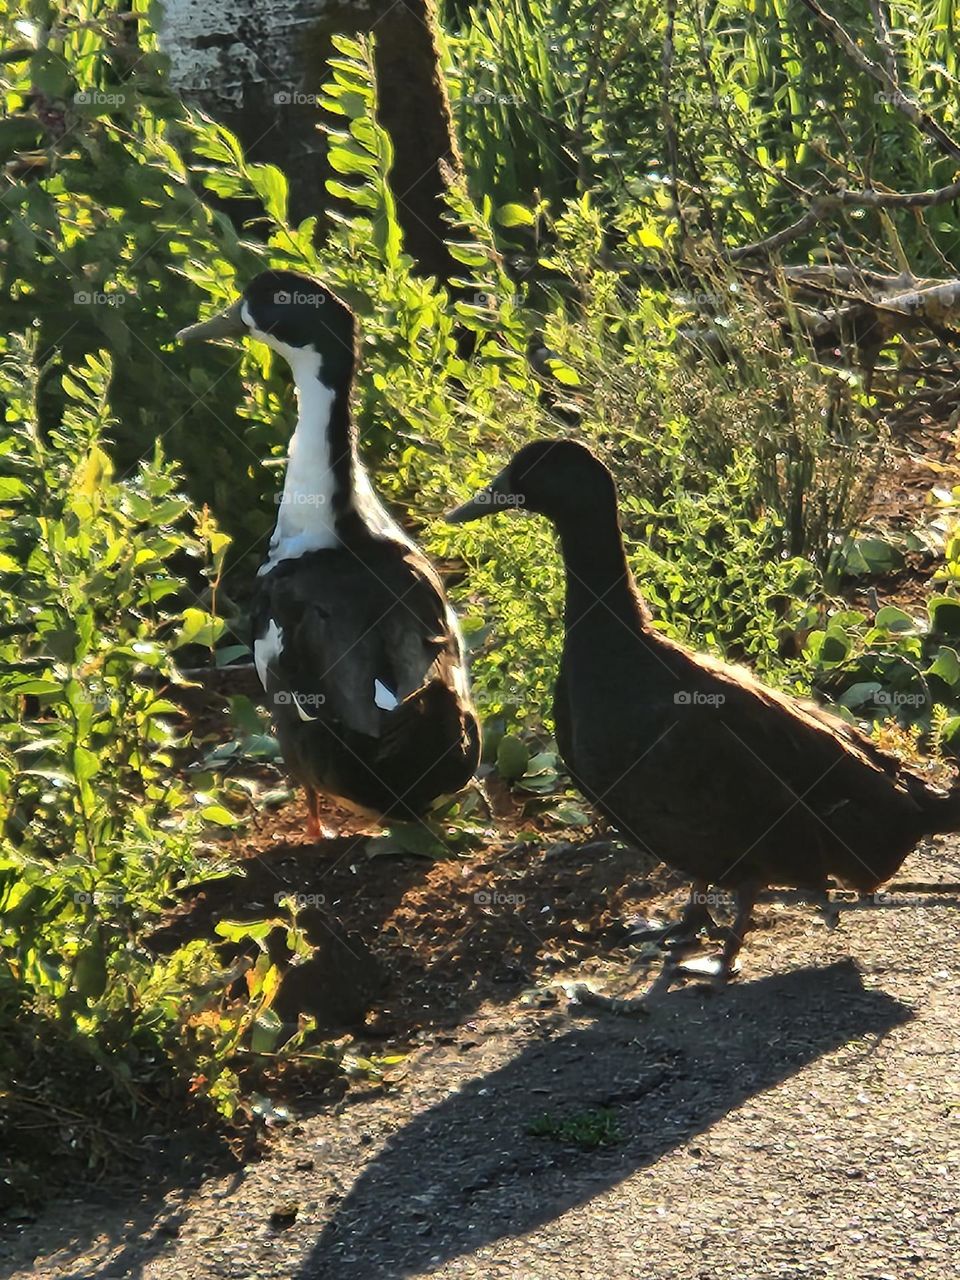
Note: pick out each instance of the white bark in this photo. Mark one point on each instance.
(230, 49)
(257, 67)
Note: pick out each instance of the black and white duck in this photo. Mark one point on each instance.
(730, 782)
(353, 638)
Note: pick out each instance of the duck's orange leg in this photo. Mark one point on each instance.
(316, 830)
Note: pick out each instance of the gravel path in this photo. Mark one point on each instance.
(804, 1123)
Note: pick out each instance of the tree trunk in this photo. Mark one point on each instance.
(414, 109)
(258, 68)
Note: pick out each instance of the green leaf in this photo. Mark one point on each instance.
(219, 815)
(406, 838)
(361, 196)
(199, 627)
(469, 255)
(944, 614)
(946, 666)
(890, 618)
(29, 684)
(244, 714)
(90, 972)
(241, 930)
(271, 186)
(163, 707)
(571, 815)
(229, 653)
(835, 647)
(514, 215)
(950, 733)
(346, 161)
(872, 556)
(858, 694)
(85, 764)
(649, 238)
(265, 1032)
(512, 758)
(563, 373)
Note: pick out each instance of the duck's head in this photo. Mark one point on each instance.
(559, 479)
(293, 314)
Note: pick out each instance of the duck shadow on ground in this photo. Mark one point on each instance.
(467, 1172)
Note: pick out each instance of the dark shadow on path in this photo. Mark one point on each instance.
(467, 1172)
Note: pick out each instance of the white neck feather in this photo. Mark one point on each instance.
(306, 520)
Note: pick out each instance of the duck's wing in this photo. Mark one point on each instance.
(347, 636)
(810, 751)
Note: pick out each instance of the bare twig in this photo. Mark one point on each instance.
(881, 29)
(814, 274)
(906, 105)
(824, 206)
(770, 244)
(871, 199)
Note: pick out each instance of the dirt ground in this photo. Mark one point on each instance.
(805, 1122)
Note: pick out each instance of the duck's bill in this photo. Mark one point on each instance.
(225, 324)
(495, 497)
(481, 504)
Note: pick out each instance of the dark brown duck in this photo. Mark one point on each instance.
(728, 781)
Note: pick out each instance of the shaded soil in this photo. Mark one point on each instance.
(414, 943)
(925, 457)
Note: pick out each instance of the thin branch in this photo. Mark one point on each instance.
(905, 105)
(899, 199)
(881, 29)
(824, 206)
(859, 277)
(772, 243)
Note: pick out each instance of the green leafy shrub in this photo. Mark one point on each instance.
(99, 202)
(99, 822)
(556, 96)
(897, 665)
(553, 98)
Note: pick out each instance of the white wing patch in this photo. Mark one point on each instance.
(267, 649)
(301, 710)
(384, 699)
(372, 511)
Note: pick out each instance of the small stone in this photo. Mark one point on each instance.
(284, 1215)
